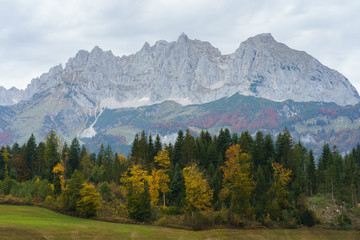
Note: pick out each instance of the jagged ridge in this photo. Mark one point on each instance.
(192, 71)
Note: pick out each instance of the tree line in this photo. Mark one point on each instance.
(243, 177)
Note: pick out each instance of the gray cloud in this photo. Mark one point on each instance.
(36, 35)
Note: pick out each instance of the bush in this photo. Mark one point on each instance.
(288, 220)
(308, 218)
(89, 202)
(220, 218)
(22, 190)
(49, 200)
(343, 221)
(171, 210)
(44, 189)
(198, 222)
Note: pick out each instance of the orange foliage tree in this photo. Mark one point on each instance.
(238, 181)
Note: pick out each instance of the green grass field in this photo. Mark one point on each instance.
(25, 222)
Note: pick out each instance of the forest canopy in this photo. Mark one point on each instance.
(236, 178)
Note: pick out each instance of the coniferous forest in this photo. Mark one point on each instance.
(234, 180)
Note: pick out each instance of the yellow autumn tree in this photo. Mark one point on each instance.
(6, 156)
(277, 193)
(135, 176)
(159, 179)
(154, 186)
(90, 200)
(121, 159)
(162, 159)
(59, 182)
(197, 190)
(238, 181)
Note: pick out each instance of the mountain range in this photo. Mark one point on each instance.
(263, 85)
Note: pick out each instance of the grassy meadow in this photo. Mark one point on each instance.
(27, 222)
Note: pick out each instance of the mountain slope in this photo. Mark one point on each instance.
(312, 123)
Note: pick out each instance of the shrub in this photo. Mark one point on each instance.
(343, 221)
(288, 219)
(89, 202)
(308, 218)
(171, 210)
(44, 189)
(220, 218)
(198, 222)
(49, 200)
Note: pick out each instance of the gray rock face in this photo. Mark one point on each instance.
(11, 96)
(192, 71)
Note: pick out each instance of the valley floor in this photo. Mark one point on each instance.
(28, 222)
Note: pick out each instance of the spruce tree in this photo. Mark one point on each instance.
(74, 156)
(311, 174)
(30, 158)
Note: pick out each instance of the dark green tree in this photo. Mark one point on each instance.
(177, 188)
(188, 150)
(177, 150)
(246, 142)
(74, 156)
(30, 158)
(138, 205)
(52, 157)
(311, 174)
(71, 194)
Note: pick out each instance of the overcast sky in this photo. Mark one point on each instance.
(39, 34)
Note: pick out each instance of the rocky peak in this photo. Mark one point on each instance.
(193, 71)
(183, 38)
(10, 96)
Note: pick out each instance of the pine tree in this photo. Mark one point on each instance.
(74, 156)
(188, 149)
(258, 150)
(283, 149)
(51, 154)
(138, 205)
(40, 164)
(30, 158)
(177, 150)
(100, 160)
(158, 145)
(311, 174)
(246, 142)
(259, 198)
(177, 187)
(324, 160)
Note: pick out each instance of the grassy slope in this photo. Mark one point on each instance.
(24, 222)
